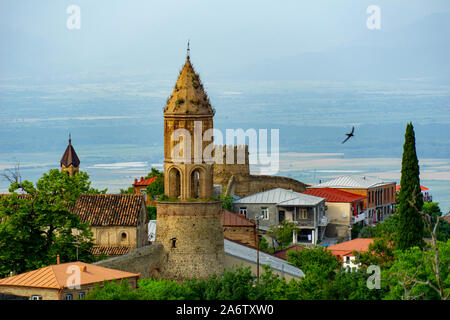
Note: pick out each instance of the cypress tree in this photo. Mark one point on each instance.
(410, 201)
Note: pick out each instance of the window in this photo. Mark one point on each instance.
(124, 236)
(69, 296)
(81, 295)
(281, 216)
(265, 213)
(35, 297)
(243, 210)
(303, 213)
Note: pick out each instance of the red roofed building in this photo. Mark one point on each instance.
(237, 228)
(344, 250)
(282, 254)
(343, 208)
(427, 197)
(140, 187)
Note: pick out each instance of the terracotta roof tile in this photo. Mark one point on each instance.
(55, 276)
(334, 195)
(109, 209)
(346, 248)
(143, 182)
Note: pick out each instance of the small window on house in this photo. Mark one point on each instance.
(265, 213)
(35, 297)
(174, 241)
(243, 210)
(69, 296)
(81, 295)
(303, 213)
(124, 236)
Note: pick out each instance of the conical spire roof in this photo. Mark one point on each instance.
(70, 156)
(188, 96)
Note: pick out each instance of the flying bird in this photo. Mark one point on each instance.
(349, 135)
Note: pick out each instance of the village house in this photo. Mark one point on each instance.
(380, 195)
(274, 206)
(140, 187)
(118, 221)
(59, 282)
(344, 209)
(345, 251)
(237, 228)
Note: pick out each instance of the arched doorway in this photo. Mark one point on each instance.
(195, 184)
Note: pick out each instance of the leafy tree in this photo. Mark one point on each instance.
(443, 229)
(315, 262)
(151, 212)
(156, 189)
(410, 202)
(282, 233)
(380, 253)
(38, 225)
(264, 246)
(130, 190)
(412, 276)
(227, 202)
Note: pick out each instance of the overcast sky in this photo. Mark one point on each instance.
(142, 36)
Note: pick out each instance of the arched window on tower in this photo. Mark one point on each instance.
(195, 184)
(174, 183)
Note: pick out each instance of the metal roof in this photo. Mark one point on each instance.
(355, 181)
(248, 254)
(304, 200)
(278, 196)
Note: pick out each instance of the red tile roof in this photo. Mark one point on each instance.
(230, 219)
(110, 209)
(55, 276)
(346, 248)
(447, 218)
(422, 188)
(143, 182)
(282, 254)
(334, 195)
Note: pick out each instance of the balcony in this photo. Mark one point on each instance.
(360, 217)
(324, 221)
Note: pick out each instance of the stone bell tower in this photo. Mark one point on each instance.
(189, 224)
(69, 161)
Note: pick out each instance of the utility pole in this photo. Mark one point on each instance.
(257, 246)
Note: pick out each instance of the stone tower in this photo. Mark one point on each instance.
(189, 224)
(69, 161)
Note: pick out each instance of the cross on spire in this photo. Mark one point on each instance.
(188, 50)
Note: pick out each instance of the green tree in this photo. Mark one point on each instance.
(38, 224)
(443, 229)
(156, 189)
(282, 233)
(410, 202)
(227, 203)
(412, 276)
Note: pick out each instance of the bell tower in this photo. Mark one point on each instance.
(189, 225)
(69, 161)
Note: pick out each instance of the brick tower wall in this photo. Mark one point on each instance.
(199, 246)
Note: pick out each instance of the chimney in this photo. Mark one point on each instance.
(135, 181)
(83, 268)
(57, 259)
(142, 178)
